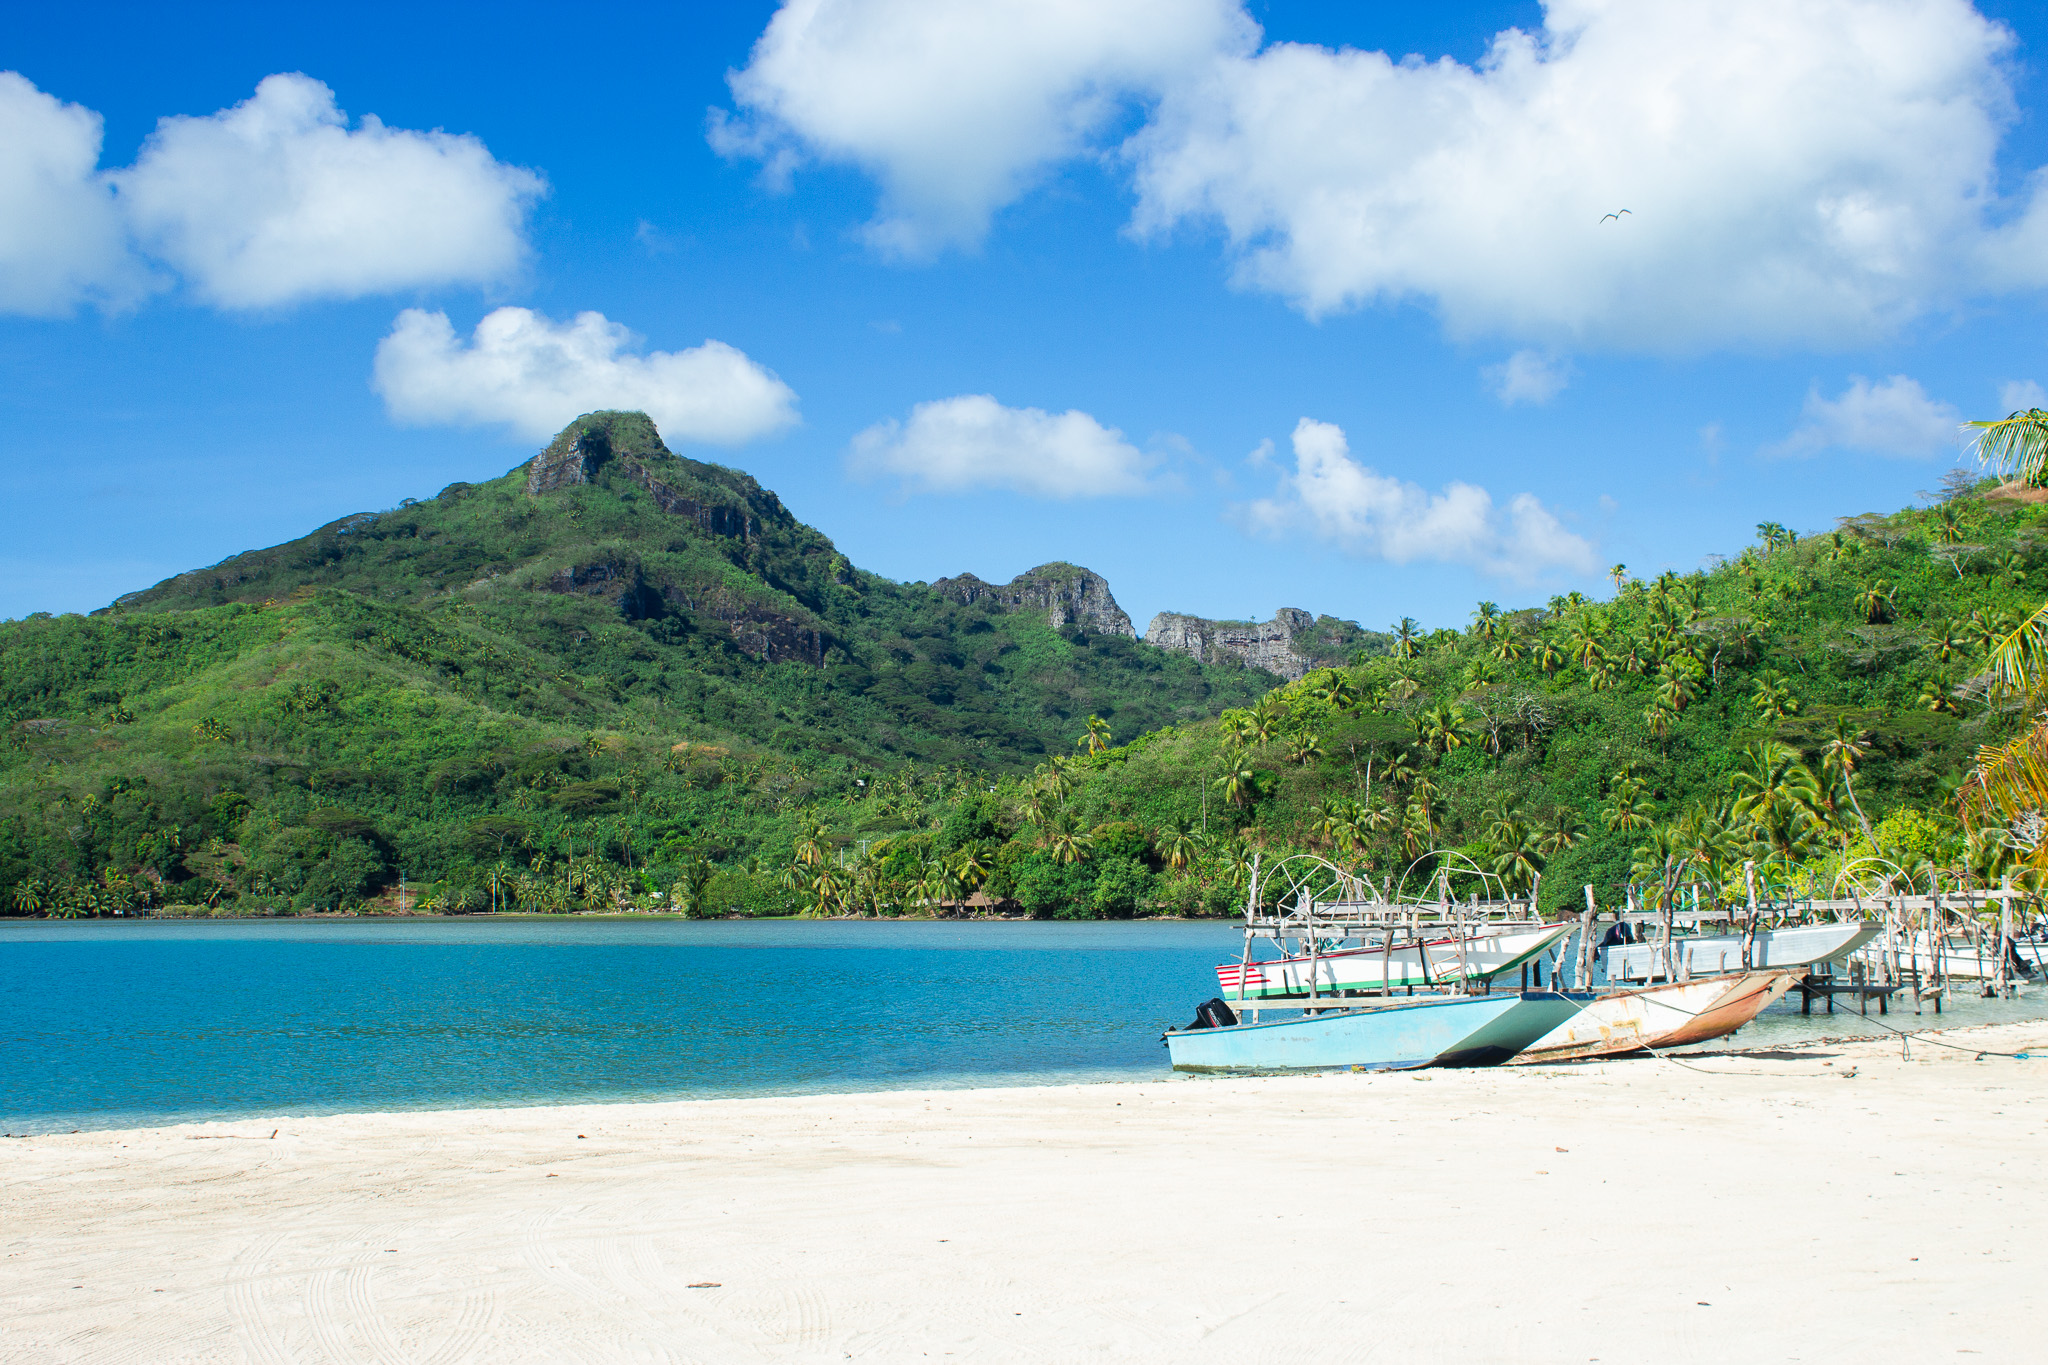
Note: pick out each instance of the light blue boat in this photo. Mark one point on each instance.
(1390, 1034)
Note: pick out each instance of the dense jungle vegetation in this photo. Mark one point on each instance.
(437, 693)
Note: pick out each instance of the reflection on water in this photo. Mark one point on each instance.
(106, 1024)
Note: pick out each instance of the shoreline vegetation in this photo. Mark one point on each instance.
(316, 725)
(1014, 1223)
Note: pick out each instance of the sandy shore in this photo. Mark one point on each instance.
(1831, 1203)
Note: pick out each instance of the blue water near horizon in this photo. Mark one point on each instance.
(142, 1023)
(112, 1024)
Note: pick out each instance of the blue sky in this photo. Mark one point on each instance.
(1205, 298)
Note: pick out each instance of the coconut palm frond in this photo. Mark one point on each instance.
(2016, 446)
(2018, 660)
(2009, 790)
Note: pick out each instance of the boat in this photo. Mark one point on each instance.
(1692, 957)
(1955, 957)
(1384, 1034)
(1479, 956)
(1336, 944)
(1674, 1014)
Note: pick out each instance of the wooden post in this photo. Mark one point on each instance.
(1585, 972)
(1387, 946)
(1458, 927)
(2001, 980)
(1749, 928)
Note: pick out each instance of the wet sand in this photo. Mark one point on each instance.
(1823, 1202)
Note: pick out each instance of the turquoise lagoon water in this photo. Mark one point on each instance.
(111, 1024)
(108, 1024)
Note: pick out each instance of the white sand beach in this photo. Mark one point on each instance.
(1833, 1203)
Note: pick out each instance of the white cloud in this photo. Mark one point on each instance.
(535, 375)
(2019, 395)
(1528, 377)
(1810, 172)
(277, 200)
(61, 241)
(1895, 417)
(972, 441)
(270, 202)
(1374, 516)
(957, 109)
(1795, 171)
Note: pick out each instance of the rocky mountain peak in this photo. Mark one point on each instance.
(1065, 592)
(582, 447)
(1289, 645)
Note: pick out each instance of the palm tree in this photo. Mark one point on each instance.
(1442, 727)
(1097, 738)
(1619, 575)
(1846, 744)
(1660, 719)
(31, 896)
(1061, 837)
(1304, 750)
(1407, 635)
(1875, 603)
(2016, 446)
(1777, 797)
(1240, 782)
(1627, 810)
(1334, 689)
(1946, 644)
(1584, 642)
(1508, 649)
(970, 867)
(1936, 695)
(1517, 858)
(1773, 697)
(1549, 657)
(1677, 690)
(1485, 619)
(1177, 844)
(1563, 830)
(1983, 629)
(1266, 718)
(810, 844)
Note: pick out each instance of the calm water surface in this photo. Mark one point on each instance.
(109, 1024)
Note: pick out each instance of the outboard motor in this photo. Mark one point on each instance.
(1212, 1013)
(1620, 933)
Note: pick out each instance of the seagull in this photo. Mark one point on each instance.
(1615, 216)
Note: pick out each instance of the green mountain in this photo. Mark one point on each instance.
(607, 593)
(617, 678)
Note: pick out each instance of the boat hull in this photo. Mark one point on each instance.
(1958, 961)
(1672, 1015)
(1801, 945)
(1485, 956)
(1449, 1030)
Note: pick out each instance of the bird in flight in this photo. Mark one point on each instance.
(1615, 216)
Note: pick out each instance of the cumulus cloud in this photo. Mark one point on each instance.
(61, 241)
(535, 375)
(1895, 417)
(1374, 516)
(271, 202)
(1810, 172)
(1528, 377)
(956, 445)
(277, 200)
(1796, 171)
(2018, 395)
(957, 109)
